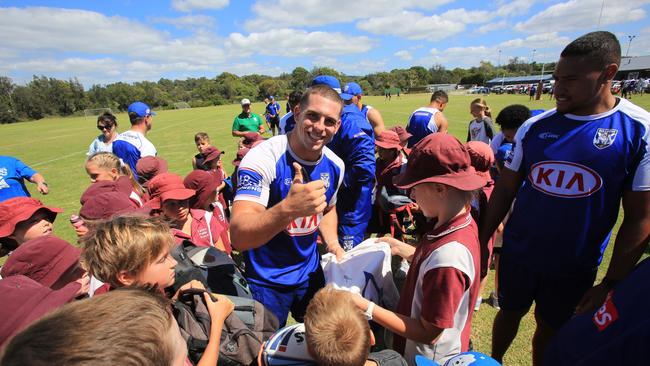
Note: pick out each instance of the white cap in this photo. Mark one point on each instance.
(245, 101)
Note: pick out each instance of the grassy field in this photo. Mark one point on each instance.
(56, 148)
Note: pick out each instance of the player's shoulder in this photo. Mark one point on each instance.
(331, 156)
(543, 117)
(634, 112)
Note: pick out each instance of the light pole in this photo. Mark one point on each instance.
(630, 38)
(504, 74)
(532, 61)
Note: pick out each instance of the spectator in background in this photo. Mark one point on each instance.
(247, 121)
(107, 124)
(13, 173)
(133, 144)
(480, 128)
(429, 119)
(510, 119)
(288, 121)
(273, 113)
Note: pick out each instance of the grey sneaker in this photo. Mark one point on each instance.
(494, 300)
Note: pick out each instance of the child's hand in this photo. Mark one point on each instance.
(220, 309)
(81, 230)
(187, 286)
(84, 281)
(398, 247)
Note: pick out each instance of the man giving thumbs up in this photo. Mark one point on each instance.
(286, 194)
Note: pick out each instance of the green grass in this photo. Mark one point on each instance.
(56, 148)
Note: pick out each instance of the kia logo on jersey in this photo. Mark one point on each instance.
(304, 225)
(564, 179)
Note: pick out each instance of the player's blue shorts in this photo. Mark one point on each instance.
(555, 295)
(350, 235)
(282, 299)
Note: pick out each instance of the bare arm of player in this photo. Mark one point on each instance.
(328, 230)
(252, 224)
(442, 123)
(39, 180)
(417, 330)
(376, 120)
(631, 240)
(499, 204)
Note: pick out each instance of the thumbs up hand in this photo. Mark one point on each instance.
(305, 199)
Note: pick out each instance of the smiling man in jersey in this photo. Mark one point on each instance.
(286, 195)
(570, 169)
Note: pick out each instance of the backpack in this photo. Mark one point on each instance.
(210, 266)
(243, 331)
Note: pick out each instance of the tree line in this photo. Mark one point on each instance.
(46, 96)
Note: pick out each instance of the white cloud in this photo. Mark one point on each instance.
(415, 25)
(189, 5)
(490, 27)
(362, 67)
(583, 14)
(312, 13)
(516, 7)
(187, 21)
(294, 42)
(537, 41)
(404, 55)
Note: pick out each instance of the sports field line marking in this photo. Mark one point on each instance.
(59, 158)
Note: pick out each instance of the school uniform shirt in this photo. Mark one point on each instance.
(13, 172)
(576, 169)
(421, 123)
(441, 287)
(130, 146)
(482, 130)
(205, 231)
(265, 176)
(617, 333)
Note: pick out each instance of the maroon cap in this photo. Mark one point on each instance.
(150, 166)
(402, 133)
(250, 138)
(44, 259)
(204, 183)
(105, 205)
(24, 301)
(481, 157)
(211, 153)
(167, 186)
(18, 209)
(122, 185)
(240, 155)
(440, 158)
(388, 140)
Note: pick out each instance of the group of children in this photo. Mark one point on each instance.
(127, 227)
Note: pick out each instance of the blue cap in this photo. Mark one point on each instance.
(503, 152)
(351, 89)
(141, 109)
(472, 358)
(271, 97)
(328, 80)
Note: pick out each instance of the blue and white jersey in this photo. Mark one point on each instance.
(367, 127)
(265, 176)
(130, 146)
(421, 123)
(287, 123)
(576, 169)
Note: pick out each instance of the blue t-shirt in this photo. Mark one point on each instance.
(421, 123)
(576, 169)
(618, 333)
(273, 109)
(13, 172)
(265, 176)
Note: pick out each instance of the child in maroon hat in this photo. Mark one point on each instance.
(434, 314)
(403, 138)
(48, 260)
(207, 186)
(107, 167)
(148, 167)
(170, 199)
(22, 219)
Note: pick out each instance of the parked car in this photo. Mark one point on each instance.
(498, 89)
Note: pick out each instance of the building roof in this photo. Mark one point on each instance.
(635, 63)
(520, 79)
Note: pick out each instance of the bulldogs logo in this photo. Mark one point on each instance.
(325, 177)
(604, 137)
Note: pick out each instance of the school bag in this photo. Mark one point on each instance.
(210, 266)
(243, 333)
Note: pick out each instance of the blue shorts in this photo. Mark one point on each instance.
(555, 295)
(282, 299)
(350, 235)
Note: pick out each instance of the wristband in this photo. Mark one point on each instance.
(368, 313)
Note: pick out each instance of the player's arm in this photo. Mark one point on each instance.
(442, 123)
(499, 204)
(376, 120)
(39, 180)
(631, 240)
(328, 230)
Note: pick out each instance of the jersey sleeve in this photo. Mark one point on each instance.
(235, 124)
(23, 170)
(432, 126)
(443, 290)
(254, 176)
(641, 176)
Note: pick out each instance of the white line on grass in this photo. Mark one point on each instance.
(59, 158)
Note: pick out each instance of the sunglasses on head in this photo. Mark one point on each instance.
(104, 127)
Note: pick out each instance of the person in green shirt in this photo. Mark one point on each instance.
(247, 121)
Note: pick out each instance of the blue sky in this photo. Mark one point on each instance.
(128, 40)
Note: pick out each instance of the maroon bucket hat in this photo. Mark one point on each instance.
(204, 183)
(388, 139)
(148, 167)
(481, 157)
(18, 209)
(105, 205)
(402, 133)
(211, 153)
(440, 158)
(167, 186)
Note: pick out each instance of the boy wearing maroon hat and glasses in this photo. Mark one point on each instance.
(434, 315)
